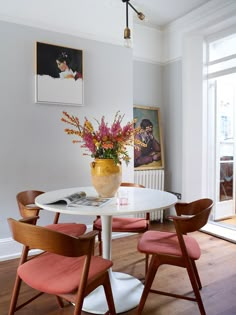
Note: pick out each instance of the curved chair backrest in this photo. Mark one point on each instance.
(195, 215)
(193, 207)
(39, 237)
(25, 201)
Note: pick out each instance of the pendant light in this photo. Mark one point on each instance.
(127, 32)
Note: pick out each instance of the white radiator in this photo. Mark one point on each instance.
(151, 179)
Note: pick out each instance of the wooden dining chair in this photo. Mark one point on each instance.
(66, 268)
(123, 224)
(28, 208)
(177, 249)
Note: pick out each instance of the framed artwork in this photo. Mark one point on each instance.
(59, 75)
(150, 155)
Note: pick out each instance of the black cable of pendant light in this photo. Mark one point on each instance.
(140, 15)
(127, 30)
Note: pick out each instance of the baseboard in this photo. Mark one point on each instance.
(9, 249)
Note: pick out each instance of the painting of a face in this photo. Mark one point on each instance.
(59, 75)
(62, 66)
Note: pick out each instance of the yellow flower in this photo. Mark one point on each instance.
(88, 126)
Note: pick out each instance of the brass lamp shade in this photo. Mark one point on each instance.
(141, 16)
(126, 33)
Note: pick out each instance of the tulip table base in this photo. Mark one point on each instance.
(126, 290)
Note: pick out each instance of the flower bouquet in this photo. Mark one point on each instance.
(105, 142)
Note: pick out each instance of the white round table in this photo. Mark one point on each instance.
(126, 289)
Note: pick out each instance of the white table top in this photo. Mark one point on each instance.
(139, 200)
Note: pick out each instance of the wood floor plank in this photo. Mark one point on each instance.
(217, 269)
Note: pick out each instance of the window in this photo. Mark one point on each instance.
(222, 48)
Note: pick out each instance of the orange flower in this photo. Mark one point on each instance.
(107, 145)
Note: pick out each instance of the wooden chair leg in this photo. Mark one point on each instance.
(153, 266)
(146, 264)
(15, 295)
(109, 296)
(56, 218)
(100, 243)
(196, 274)
(78, 308)
(195, 287)
(60, 302)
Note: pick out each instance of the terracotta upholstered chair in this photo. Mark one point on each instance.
(177, 249)
(28, 208)
(66, 268)
(123, 224)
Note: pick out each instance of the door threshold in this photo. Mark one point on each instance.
(226, 233)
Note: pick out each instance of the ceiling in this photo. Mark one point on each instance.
(162, 12)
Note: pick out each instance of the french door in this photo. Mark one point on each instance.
(224, 91)
(221, 74)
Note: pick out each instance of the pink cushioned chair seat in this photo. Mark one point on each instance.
(124, 224)
(56, 274)
(73, 229)
(154, 242)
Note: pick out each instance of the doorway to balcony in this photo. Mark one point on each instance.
(221, 86)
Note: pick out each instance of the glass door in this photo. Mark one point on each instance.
(221, 75)
(225, 88)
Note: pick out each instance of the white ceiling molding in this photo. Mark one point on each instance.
(211, 17)
(159, 13)
(204, 15)
(152, 44)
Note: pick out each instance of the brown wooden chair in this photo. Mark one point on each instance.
(66, 268)
(123, 224)
(177, 249)
(28, 208)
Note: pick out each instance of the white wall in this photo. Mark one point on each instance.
(147, 43)
(36, 153)
(172, 117)
(147, 84)
(102, 20)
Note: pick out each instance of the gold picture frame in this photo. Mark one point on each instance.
(150, 156)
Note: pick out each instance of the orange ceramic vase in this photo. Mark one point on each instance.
(106, 177)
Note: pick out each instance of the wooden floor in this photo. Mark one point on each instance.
(231, 221)
(217, 268)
